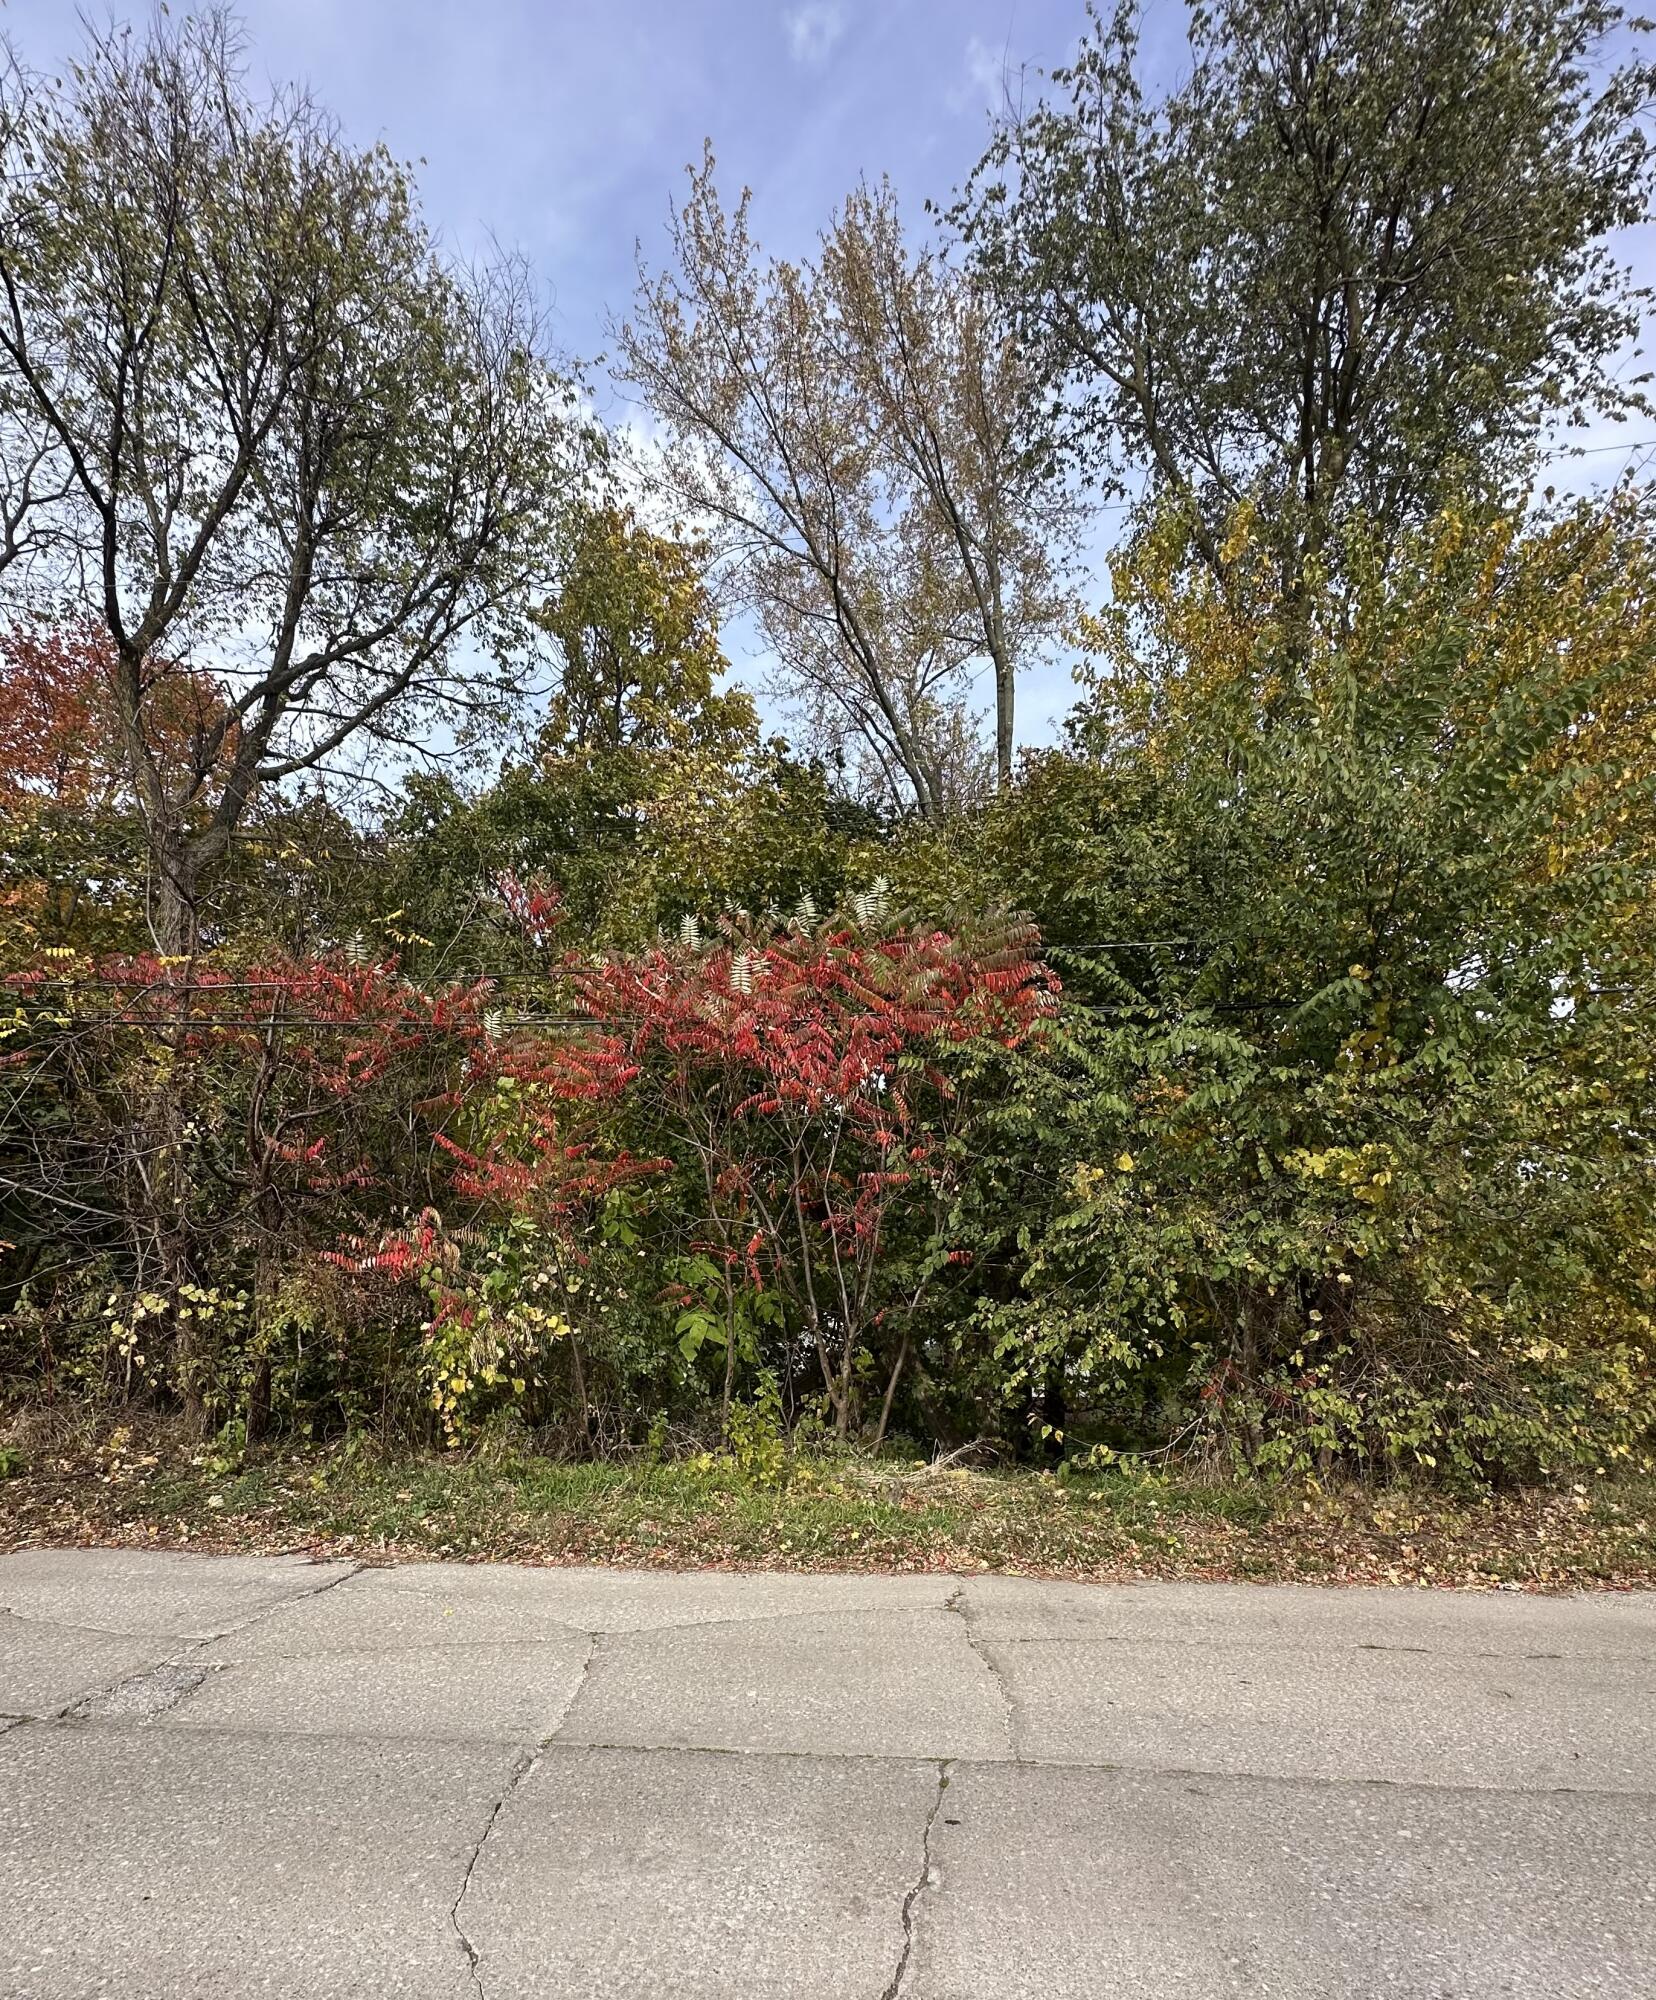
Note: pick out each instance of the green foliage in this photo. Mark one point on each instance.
(242, 390)
(496, 1325)
(1351, 265)
(1336, 1153)
(637, 841)
(1343, 1136)
(638, 637)
(756, 1442)
(638, 1083)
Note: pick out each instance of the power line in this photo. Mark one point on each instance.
(1595, 450)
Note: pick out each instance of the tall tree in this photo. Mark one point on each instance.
(638, 636)
(849, 429)
(945, 386)
(32, 470)
(1355, 262)
(296, 449)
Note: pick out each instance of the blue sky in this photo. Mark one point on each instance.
(562, 128)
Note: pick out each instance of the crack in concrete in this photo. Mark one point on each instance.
(1206, 1774)
(414, 1650)
(178, 1646)
(895, 1985)
(86, 1706)
(1295, 1780)
(595, 1643)
(265, 1611)
(515, 1777)
(523, 1768)
(664, 1626)
(839, 1613)
(141, 1697)
(282, 1604)
(191, 1643)
(1298, 1651)
(956, 1603)
(180, 1657)
(72, 1625)
(200, 1639)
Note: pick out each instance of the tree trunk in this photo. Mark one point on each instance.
(171, 1195)
(1003, 728)
(177, 863)
(174, 917)
(890, 1394)
(1054, 1413)
(258, 1401)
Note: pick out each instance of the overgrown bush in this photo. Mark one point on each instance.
(1343, 1149)
(1334, 1150)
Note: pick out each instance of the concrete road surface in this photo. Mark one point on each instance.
(252, 1776)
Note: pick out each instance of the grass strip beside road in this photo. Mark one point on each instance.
(844, 1514)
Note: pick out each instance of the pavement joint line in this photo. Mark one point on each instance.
(899, 1978)
(1303, 1781)
(664, 1625)
(523, 1768)
(953, 1603)
(957, 1604)
(557, 1745)
(1251, 1645)
(554, 1625)
(438, 1649)
(836, 1612)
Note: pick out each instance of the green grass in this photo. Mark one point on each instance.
(831, 1513)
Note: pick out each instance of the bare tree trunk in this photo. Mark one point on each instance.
(890, 1393)
(1003, 725)
(730, 1357)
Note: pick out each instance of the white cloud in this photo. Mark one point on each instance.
(813, 30)
(986, 78)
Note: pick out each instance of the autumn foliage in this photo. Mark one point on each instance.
(59, 732)
(433, 1003)
(784, 1103)
(792, 1104)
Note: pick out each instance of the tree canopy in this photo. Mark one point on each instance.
(1351, 266)
(256, 426)
(851, 428)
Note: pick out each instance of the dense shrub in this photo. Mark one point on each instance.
(1334, 1148)
(1344, 1148)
